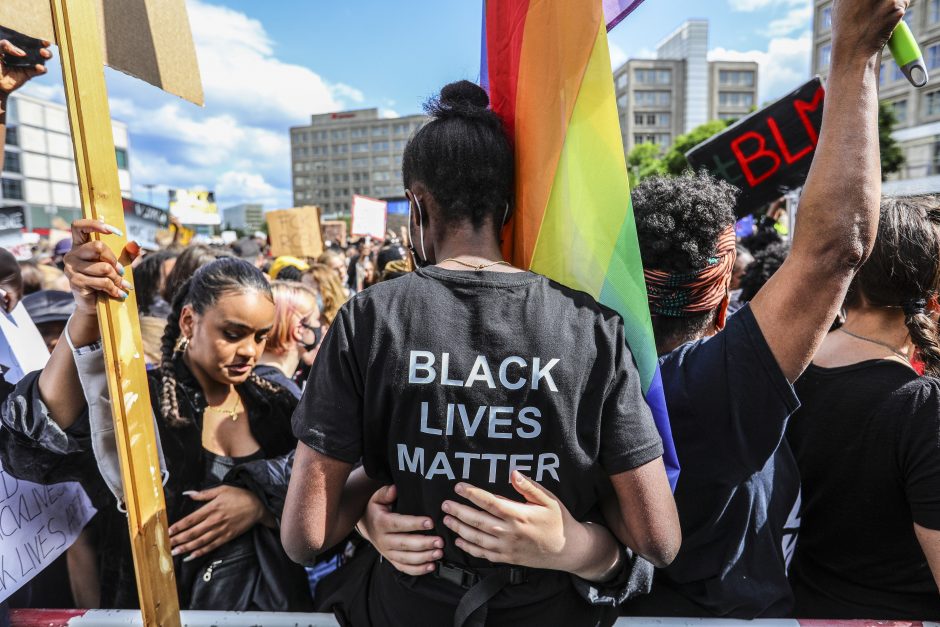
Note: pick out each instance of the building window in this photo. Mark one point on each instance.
(622, 79)
(825, 54)
(380, 146)
(622, 101)
(121, 155)
(827, 18)
(736, 78)
(359, 131)
(400, 144)
(652, 98)
(381, 176)
(933, 56)
(932, 103)
(638, 119)
(13, 138)
(339, 149)
(11, 162)
(654, 77)
(934, 11)
(360, 162)
(896, 73)
(360, 147)
(735, 99)
(338, 134)
(380, 161)
(900, 110)
(401, 129)
(379, 131)
(12, 189)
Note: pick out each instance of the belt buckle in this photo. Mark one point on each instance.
(456, 575)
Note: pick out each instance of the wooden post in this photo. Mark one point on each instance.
(76, 31)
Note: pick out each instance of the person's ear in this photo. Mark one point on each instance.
(187, 321)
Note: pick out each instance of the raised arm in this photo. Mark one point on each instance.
(838, 216)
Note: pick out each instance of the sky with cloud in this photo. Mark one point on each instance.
(267, 66)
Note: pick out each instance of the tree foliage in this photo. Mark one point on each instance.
(892, 158)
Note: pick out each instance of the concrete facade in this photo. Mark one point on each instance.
(348, 152)
(39, 165)
(661, 98)
(246, 216)
(918, 110)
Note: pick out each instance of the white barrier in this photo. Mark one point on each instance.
(190, 618)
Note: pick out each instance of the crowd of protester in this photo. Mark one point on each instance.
(298, 401)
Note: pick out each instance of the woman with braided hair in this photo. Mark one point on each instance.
(867, 437)
(225, 434)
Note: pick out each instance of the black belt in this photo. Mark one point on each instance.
(471, 610)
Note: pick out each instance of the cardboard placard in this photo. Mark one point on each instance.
(769, 152)
(334, 231)
(37, 524)
(22, 349)
(148, 39)
(295, 232)
(369, 217)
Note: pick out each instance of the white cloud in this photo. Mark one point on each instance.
(797, 20)
(617, 56)
(250, 186)
(750, 6)
(784, 66)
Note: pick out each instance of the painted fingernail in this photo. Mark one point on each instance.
(127, 286)
(188, 492)
(122, 295)
(189, 558)
(175, 552)
(114, 230)
(120, 268)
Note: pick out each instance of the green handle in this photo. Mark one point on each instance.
(907, 55)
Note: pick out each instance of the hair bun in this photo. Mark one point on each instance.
(459, 99)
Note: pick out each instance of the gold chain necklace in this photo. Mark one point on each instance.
(478, 267)
(231, 413)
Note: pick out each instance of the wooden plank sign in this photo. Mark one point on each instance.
(769, 152)
(148, 39)
(295, 232)
(76, 29)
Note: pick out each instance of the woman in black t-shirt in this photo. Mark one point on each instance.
(470, 372)
(867, 437)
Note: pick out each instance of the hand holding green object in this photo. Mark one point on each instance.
(907, 55)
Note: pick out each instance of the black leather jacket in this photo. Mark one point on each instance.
(34, 448)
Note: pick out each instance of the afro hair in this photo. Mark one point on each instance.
(679, 219)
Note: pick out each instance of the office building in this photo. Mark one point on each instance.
(248, 217)
(918, 110)
(348, 152)
(679, 89)
(39, 165)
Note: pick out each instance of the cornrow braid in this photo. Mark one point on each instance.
(266, 386)
(169, 405)
(924, 335)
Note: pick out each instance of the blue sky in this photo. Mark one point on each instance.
(267, 66)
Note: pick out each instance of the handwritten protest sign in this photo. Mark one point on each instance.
(334, 231)
(769, 152)
(369, 216)
(22, 349)
(295, 232)
(37, 524)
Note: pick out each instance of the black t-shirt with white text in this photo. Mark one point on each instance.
(445, 376)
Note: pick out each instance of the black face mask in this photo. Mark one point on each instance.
(317, 336)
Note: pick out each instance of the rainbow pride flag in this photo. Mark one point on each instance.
(546, 66)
